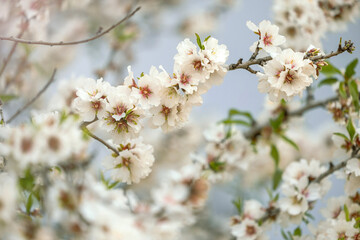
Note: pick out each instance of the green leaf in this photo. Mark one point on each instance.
(275, 155)
(342, 135)
(284, 235)
(354, 92)
(351, 129)
(350, 69)
(277, 178)
(276, 123)
(291, 142)
(330, 70)
(238, 205)
(233, 112)
(29, 203)
(328, 81)
(308, 215)
(27, 182)
(7, 98)
(217, 166)
(347, 215)
(297, 232)
(112, 185)
(342, 91)
(207, 38)
(237, 121)
(276, 198)
(198, 40)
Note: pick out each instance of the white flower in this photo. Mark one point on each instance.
(133, 163)
(253, 209)
(334, 207)
(215, 133)
(122, 118)
(353, 166)
(91, 100)
(268, 34)
(147, 88)
(352, 184)
(294, 205)
(247, 230)
(185, 49)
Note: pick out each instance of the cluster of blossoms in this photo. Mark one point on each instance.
(342, 217)
(286, 76)
(288, 73)
(163, 98)
(173, 203)
(300, 190)
(306, 22)
(227, 152)
(49, 140)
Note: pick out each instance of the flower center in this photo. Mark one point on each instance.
(184, 79)
(197, 65)
(289, 78)
(26, 145)
(267, 39)
(165, 110)
(145, 91)
(250, 230)
(54, 143)
(96, 105)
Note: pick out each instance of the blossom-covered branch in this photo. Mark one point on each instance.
(347, 47)
(20, 110)
(61, 43)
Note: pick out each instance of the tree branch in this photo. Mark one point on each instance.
(34, 98)
(86, 130)
(256, 130)
(61, 43)
(348, 47)
(11, 53)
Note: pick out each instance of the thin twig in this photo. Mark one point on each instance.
(11, 53)
(100, 140)
(34, 98)
(254, 131)
(333, 169)
(256, 52)
(61, 43)
(348, 46)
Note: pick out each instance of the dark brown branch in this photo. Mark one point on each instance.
(33, 99)
(348, 47)
(61, 43)
(256, 130)
(86, 130)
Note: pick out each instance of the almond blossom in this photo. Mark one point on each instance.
(133, 162)
(286, 76)
(269, 36)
